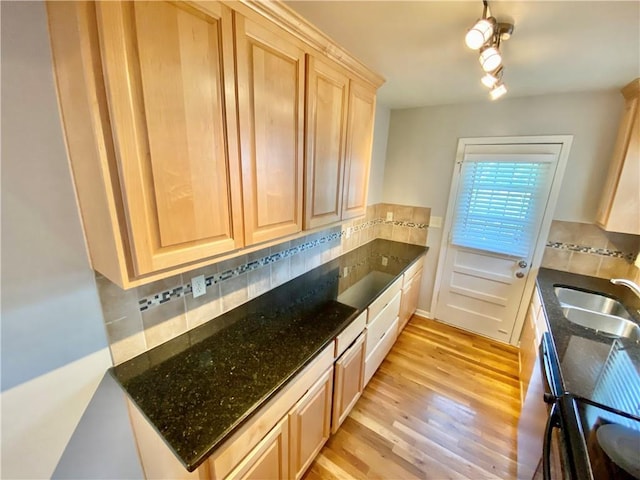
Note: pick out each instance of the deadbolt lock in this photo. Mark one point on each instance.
(522, 264)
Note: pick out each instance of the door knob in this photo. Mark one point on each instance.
(522, 264)
(519, 274)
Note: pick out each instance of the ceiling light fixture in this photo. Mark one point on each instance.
(490, 79)
(486, 35)
(498, 91)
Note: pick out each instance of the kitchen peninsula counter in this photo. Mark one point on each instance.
(199, 388)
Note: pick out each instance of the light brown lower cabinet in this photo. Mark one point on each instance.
(310, 425)
(348, 382)
(533, 416)
(282, 440)
(409, 302)
(269, 459)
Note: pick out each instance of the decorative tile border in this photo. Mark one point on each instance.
(604, 252)
(182, 290)
(380, 221)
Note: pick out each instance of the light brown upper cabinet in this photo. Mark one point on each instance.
(271, 73)
(620, 205)
(339, 133)
(148, 103)
(185, 128)
(327, 106)
(362, 106)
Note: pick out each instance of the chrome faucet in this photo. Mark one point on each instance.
(627, 283)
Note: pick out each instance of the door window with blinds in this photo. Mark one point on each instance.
(500, 202)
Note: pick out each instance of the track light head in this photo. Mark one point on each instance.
(490, 58)
(480, 33)
(499, 90)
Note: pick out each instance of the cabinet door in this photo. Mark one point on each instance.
(409, 302)
(327, 97)
(310, 425)
(169, 76)
(271, 116)
(349, 382)
(619, 209)
(269, 459)
(362, 100)
(531, 425)
(528, 351)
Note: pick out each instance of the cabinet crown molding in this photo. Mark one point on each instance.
(288, 19)
(631, 90)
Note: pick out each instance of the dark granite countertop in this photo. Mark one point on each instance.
(198, 388)
(582, 352)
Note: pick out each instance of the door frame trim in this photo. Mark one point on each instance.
(565, 141)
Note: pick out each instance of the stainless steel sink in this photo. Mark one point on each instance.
(605, 324)
(594, 302)
(603, 314)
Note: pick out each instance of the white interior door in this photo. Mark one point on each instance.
(500, 198)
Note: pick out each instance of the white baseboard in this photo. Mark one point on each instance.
(423, 314)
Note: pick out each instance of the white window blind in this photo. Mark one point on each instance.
(499, 205)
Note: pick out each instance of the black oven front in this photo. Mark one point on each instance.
(585, 440)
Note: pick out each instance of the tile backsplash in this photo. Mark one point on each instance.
(144, 317)
(588, 250)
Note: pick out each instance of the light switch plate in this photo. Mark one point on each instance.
(198, 286)
(385, 261)
(389, 216)
(435, 222)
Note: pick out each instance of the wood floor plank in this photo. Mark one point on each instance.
(444, 404)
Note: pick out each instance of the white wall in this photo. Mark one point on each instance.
(378, 154)
(422, 144)
(50, 310)
(54, 348)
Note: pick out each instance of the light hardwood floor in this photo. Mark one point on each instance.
(444, 404)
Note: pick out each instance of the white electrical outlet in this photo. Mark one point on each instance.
(389, 216)
(198, 286)
(345, 272)
(385, 261)
(347, 233)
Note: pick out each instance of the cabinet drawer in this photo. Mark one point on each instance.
(376, 357)
(412, 270)
(350, 333)
(379, 303)
(377, 328)
(268, 459)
